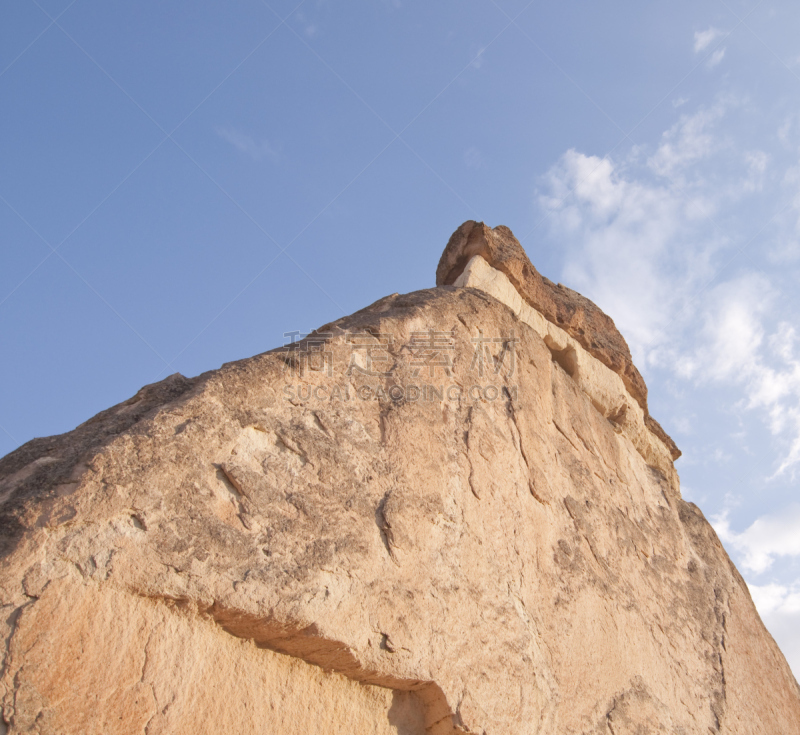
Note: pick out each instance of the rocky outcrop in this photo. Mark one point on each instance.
(418, 519)
(575, 314)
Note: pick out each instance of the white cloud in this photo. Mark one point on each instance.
(732, 331)
(720, 456)
(703, 39)
(792, 458)
(772, 598)
(769, 537)
(623, 234)
(757, 163)
(643, 242)
(688, 141)
(789, 131)
(255, 149)
(716, 57)
(478, 58)
(684, 424)
(621, 227)
(734, 347)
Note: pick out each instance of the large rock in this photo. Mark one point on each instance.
(441, 514)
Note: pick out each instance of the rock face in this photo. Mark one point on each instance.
(446, 513)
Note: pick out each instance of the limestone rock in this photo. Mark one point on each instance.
(432, 516)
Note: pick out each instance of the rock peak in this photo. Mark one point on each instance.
(579, 317)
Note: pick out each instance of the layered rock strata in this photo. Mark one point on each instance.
(604, 387)
(422, 518)
(559, 305)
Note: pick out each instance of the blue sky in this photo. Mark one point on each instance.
(183, 183)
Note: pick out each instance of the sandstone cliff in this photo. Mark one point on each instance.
(449, 512)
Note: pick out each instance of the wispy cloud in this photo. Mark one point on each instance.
(642, 241)
(637, 245)
(788, 131)
(688, 141)
(703, 39)
(310, 28)
(757, 163)
(741, 343)
(478, 58)
(255, 149)
(732, 332)
(716, 57)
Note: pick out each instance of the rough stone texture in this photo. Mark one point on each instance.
(604, 387)
(575, 314)
(293, 545)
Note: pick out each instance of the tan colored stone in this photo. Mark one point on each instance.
(563, 307)
(605, 388)
(289, 545)
(121, 663)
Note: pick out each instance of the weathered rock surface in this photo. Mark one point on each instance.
(575, 314)
(420, 519)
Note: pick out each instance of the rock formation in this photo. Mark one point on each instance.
(449, 512)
